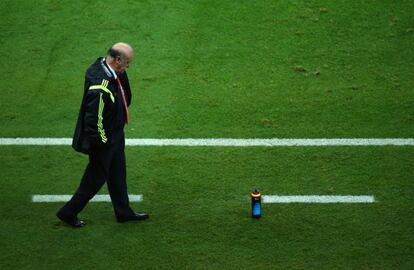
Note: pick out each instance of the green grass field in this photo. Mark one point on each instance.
(215, 69)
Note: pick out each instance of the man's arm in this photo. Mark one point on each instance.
(125, 85)
(94, 112)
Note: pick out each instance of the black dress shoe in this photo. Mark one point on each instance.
(136, 216)
(73, 222)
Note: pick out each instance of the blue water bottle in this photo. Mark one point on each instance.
(256, 204)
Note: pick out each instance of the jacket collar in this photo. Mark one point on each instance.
(107, 69)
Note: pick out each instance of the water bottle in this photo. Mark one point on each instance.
(256, 204)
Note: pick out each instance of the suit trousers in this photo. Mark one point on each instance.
(105, 165)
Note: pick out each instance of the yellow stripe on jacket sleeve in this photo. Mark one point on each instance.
(104, 87)
(100, 119)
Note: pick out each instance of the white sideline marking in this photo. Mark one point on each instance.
(65, 198)
(318, 199)
(226, 142)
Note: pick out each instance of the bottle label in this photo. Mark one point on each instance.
(256, 209)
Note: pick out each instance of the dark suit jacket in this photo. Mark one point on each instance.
(101, 117)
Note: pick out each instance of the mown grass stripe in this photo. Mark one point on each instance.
(227, 142)
(64, 198)
(318, 199)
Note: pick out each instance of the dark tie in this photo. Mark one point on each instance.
(123, 100)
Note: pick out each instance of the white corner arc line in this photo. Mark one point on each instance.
(318, 199)
(271, 142)
(64, 198)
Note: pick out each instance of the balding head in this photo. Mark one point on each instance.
(120, 56)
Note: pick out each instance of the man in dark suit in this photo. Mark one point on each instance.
(99, 133)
